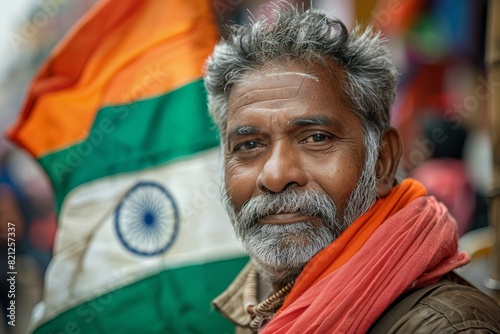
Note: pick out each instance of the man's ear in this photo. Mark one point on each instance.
(390, 152)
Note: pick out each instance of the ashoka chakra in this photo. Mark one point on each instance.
(147, 219)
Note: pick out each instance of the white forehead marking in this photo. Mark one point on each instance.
(304, 75)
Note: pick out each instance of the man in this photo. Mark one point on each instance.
(310, 161)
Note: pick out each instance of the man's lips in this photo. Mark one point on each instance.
(288, 218)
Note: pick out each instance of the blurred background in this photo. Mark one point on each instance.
(441, 110)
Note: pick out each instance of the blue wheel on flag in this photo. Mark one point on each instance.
(147, 219)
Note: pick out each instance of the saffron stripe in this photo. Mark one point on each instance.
(128, 138)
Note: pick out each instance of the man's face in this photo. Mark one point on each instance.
(293, 157)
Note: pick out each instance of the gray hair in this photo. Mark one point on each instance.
(308, 36)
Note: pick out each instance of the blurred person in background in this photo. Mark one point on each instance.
(12, 225)
(445, 173)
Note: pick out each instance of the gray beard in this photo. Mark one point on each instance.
(280, 252)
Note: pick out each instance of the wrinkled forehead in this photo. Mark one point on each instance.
(283, 80)
(289, 69)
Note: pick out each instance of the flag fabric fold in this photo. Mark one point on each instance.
(117, 118)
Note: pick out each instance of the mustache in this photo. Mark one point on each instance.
(307, 202)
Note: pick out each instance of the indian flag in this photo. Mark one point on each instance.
(117, 118)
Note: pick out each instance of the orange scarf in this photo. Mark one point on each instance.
(405, 240)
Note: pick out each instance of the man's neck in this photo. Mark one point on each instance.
(265, 289)
(274, 279)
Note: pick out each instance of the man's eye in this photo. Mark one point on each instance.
(315, 138)
(248, 145)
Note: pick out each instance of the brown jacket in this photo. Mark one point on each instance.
(454, 307)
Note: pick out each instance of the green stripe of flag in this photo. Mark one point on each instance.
(126, 138)
(183, 306)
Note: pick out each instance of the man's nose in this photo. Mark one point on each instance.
(282, 170)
